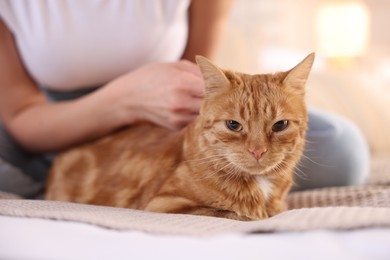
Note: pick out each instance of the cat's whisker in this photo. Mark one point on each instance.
(312, 160)
(297, 171)
(237, 173)
(211, 174)
(301, 174)
(232, 174)
(216, 152)
(204, 158)
(281, 168)
(227, 165)
(310, 150)
(310, 142)
(213, 161)
(317, 163)
(278, 168)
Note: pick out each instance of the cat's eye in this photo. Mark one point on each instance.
(280, 126)
(234, 125)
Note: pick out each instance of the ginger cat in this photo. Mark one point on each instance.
(236, 160)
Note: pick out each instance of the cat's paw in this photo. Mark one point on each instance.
(276, 207)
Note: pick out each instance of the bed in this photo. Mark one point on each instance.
(328, 223)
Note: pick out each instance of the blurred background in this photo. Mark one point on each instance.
(351, 75)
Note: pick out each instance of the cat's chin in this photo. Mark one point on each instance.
(258, 171)
(262, 168)
(254, 170)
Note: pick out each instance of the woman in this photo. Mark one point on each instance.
(113, 64)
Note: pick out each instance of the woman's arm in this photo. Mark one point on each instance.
(37, 124)
(167, 94)
(207, 22)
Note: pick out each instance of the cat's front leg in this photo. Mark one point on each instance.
(277, 202)
(276, 206)
(169, 204)
(204, 211)
(180, 205)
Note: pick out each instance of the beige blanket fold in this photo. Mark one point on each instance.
(304, 219)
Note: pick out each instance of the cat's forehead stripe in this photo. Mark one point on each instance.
(260, 94)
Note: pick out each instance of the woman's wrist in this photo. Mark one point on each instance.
(113, 106)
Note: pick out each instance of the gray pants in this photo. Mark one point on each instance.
(336, 155)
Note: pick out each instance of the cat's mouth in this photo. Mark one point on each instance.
(256, 167)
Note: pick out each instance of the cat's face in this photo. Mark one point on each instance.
(254, 123)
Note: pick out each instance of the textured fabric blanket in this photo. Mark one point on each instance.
(330, 208)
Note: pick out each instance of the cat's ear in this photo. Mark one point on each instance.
(213, 76)
(296, 78)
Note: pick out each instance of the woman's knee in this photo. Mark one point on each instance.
(20, 172)
(336, 153)
(13, 180)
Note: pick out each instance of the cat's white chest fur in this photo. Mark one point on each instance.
(265, 185)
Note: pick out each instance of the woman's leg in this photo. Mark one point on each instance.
(21, 172)
(336, 154)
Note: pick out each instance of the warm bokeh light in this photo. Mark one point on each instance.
(342, 29)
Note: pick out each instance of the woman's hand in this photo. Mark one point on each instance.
(167, 94)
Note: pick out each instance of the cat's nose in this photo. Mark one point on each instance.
(258, 152)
